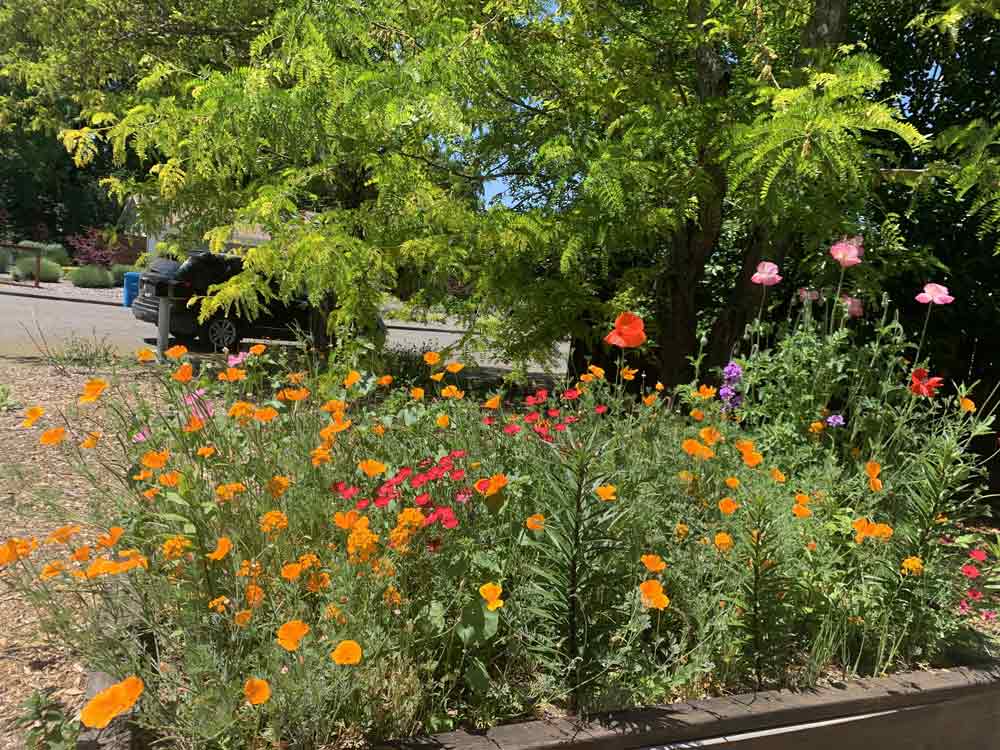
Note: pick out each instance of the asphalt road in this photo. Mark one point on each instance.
(23, 319)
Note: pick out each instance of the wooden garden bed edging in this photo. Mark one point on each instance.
(930, 710)
(933, 710)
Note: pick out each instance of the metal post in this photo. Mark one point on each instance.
(163, 325)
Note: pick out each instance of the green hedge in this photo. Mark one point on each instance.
(92, 277)
(25, 269)
(4, 261)
(51, 250)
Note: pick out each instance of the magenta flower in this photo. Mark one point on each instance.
(767, 274)
(141, 436)
(854, 307)
(235, 360)
(848, 252)
(935, 294)
(989, 615)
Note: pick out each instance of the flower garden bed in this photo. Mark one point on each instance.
(315, 558)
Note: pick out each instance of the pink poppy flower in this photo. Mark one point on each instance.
(463, 495)
(854, 307)
(935, 294)
(964, 608)
(989, 615)
(970, 571)
(235, 360)
(767, 274)
(974, 595)
(979, 555)
(848, 252)
(141, 436)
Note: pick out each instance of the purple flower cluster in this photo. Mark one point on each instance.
(835, 420)
(732, 374)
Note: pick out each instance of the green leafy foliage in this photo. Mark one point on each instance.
(92, 277)
(26, 267)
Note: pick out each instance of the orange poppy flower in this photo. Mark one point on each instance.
(111, 538)
(352, 378)
(454, 367)
(320, 455)
(194, 424)
(63, 534)
(697, 415)
(450, 391)
(229, 490)
(347, 653)
(176, 352)
(696, 450)
(437, 377)
(241, 410)
(156, 459)
(346, 520)
(594, 370)
(652, 595)
(493, 485)
(91, 440)
(650, 399)
(32, 415)
(728, 506)
(912, 566)
(206, 451)
(607, 492)
(723, 541)
(628, 373)
(492, 403)
(752, 459)
(417, 394)
(293, 394)
(242, 618)
(535, 522)
(371, 467)
(491, 594)
(257, 349)
(704, 392)
(256, 691)
(317, 582)
(278, 486)
(334, 406)
(296, 378)
(52, 569)
(653, 563)
(628, 333)
(143, 475)
(222, 547)
(732, 482)
(183, 374)
(145, 355)
(967, 405)
(385, 381)
(291, 634)
(273, 521)
(151, 493)
(174, 547)
(432, 358)
(777, 476)
(291, 571)
(253, 595)
(170, 478)
(817, 427)
(801, 511)
(802, 498)
(442, 421)
(232, 375)
(709, 435)
(219, 604)
(112, 702)
(873, 469)
(53, 437)
(92, 390)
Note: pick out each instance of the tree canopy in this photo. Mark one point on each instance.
(647, 153)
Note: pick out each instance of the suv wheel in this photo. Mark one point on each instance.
(221, 333)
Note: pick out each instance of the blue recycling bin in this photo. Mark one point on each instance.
(130, 287)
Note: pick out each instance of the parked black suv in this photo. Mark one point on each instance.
(193, 277)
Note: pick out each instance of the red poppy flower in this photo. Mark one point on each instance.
(571, 394)
(922, 385)
(488, 421)
(422, 499)
(600, 409)
(970, 571)
(979, 555)
(629, 331)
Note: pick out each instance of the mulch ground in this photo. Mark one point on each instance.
(39, 491)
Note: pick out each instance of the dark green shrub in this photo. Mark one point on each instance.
(118, 270)
(4, 261)
(25, 269)
(51, 250)
(92, 277)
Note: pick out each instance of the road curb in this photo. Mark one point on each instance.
(52, 297)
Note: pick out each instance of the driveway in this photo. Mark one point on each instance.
(22, 318)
